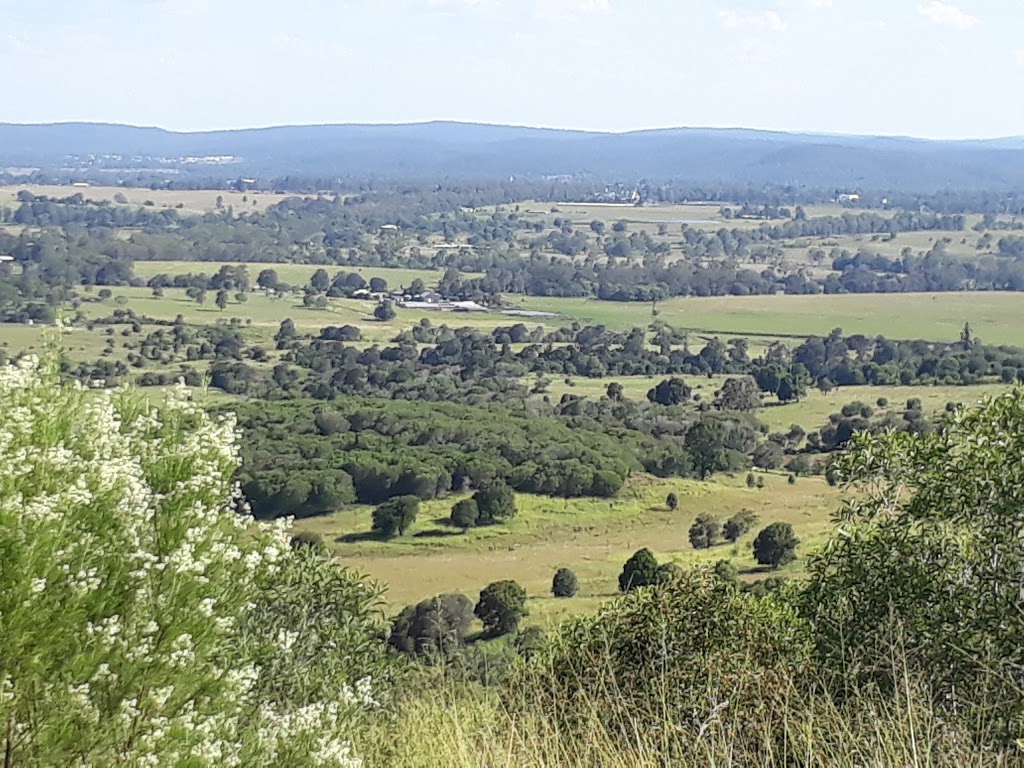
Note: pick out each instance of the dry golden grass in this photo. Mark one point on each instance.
(192, 200)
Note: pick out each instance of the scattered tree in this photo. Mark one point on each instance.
(465, 514)
(776, 545)
(496, 503)
(672, 391)
(395, 516)
(565, 583)
(501, 607)
(706, 444)
(726, 571)
(705, 532)
(641, 570)
(737, 526)
(385, 311)
(435, 628)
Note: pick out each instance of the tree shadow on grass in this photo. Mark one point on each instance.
(437, 534)
(357, 537)
(755, 570)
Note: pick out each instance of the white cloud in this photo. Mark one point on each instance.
(452, 3)
(1018, 56)
(947, 15)
(764, 20)
(819, 4)
(563, 10)
(184, 7)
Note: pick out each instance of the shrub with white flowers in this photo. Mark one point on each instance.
(126, 578)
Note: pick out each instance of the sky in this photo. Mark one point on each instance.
(927, 68)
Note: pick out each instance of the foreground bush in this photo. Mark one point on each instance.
(125, 588)
(666, 657)
(930, 552)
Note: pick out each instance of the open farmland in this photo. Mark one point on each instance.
(190, 200)
(996, 317)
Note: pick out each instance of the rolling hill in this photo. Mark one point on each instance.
(465, 150)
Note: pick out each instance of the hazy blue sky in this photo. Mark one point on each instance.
(920, 67)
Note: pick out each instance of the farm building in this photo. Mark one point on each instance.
(444, 306)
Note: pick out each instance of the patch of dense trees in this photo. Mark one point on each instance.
(70, 241)
(463, 358)
(300, 458)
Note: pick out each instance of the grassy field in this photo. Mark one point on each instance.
(594, 537)
(633, 387)
(192, 200)
(699, 214)
(814, 409)
(995, 317)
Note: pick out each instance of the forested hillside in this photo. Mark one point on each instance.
(468, 151)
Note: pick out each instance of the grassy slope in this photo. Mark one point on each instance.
(591, 536)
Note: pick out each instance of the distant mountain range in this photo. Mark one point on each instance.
(466, 150)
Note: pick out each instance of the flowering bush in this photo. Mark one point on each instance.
(126, 575)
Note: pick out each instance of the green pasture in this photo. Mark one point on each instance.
(996, 317)
(813, 410)
(591, 536)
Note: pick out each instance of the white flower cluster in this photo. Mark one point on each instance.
(127, 571)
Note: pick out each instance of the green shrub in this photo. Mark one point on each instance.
(130, 588)
(930, 553)
(662, 658)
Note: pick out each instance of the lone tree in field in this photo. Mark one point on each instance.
(222, 300)
(385, 311)
(395, 516)
(672, 502)
(501, 607)
(565, 583)
(496, 502)
(641, 570)
(737, 526)
(776, 545)
(614, 391)
(705, 532)
(465, 514)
